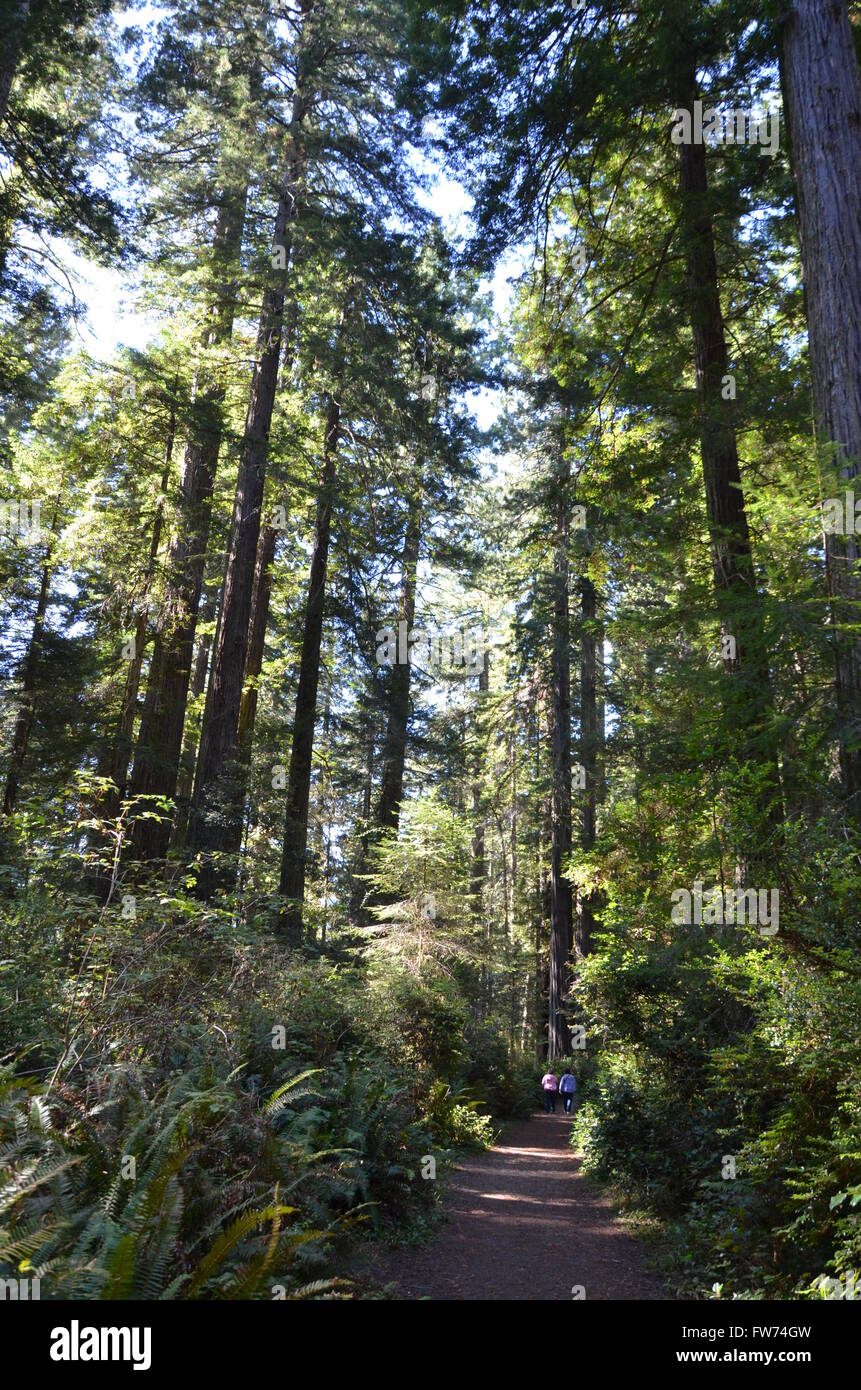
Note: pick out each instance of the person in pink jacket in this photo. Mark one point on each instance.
(549, 1086)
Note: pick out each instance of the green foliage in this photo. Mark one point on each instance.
(127, 1196)
(280, 1092)
(269, 1102)
(455, 1119)
(723, 1096)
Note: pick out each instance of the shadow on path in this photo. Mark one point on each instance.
(523, 1223)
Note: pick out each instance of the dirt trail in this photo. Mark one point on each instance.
(523, 1223)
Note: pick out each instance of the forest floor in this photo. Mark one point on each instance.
(522, 1222)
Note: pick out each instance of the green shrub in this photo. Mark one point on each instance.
(455, 1120)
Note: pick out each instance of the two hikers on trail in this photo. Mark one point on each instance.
(565, 1088)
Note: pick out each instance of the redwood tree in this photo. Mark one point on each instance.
(823, 98)
(215, 788)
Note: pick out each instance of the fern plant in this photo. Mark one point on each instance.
(97, 1220)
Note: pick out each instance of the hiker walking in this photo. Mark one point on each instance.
(549, 1086)
(567, 1087)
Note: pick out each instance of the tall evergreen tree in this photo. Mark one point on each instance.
(157, 757)
(819, 64)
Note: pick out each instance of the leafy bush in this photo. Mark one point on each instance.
(455, 1120)
(725, 1099)
(270, 1102)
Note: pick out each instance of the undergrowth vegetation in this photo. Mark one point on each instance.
(723, 1098)
(190, 1111)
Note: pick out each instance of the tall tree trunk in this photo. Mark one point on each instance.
(368, 780)
(542, 893)
(387, 811)
(262, 593)
(748, 691)
(159, 745)
(513, 758)
(359, 895)
(478, 849)
(116, 765)
(11, 38)
(560, 845)
(27, 707)
(215, 791)
(542, 982)
(822, 91)
(539, 965)
(489, 919)
(191, 733)
(591, 738)
(325, 799)
(253, 666)
(292, 886)
(257, 635)
(395, 744)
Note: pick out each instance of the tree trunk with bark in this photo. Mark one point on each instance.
(822, 92)
(253, 666)
(159, 745)
(116, 764)
(478, 848)
(191, 733)
(11, 38)
(216, 777)
(395, 745)
(29, 670)
(591, 740)
(257, 635)
(560, 844)
(292, 885)
(748, 699)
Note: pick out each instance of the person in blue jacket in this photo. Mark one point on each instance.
(567, 1087)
